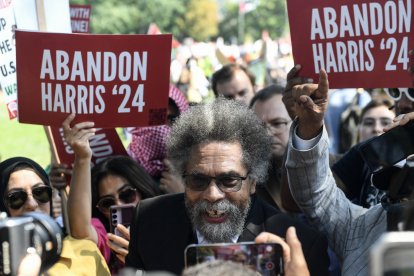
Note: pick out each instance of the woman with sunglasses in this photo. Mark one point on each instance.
(116, 180)
(25, 187)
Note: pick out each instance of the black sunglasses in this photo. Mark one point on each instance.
(226, 183)
(127, 195)
(16, 199)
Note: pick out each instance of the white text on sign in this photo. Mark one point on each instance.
(368, 19)
(70, 79)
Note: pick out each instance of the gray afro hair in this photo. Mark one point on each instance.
(221, 121)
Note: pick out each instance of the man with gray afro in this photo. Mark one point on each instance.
(221, 150)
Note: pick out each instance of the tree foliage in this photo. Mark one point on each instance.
(199, 19)
(270, 16)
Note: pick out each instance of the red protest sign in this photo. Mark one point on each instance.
(80, 18)
(112, 80)
(360, 44)
(104, 143)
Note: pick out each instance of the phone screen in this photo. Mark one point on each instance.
(121, 214)
(389, 148)
(265, 258)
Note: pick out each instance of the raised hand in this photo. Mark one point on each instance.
(293, 258)
(292, 80)
(311, 101)
(78, 136)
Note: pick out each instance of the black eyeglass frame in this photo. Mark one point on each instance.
(106, 209)
(217, 181)
(34, 194)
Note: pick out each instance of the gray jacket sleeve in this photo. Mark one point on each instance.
(314, 189)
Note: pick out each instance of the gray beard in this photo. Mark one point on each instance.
(218, 232)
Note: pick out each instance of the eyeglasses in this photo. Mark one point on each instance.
(226, 184)
(396, 93)
(17, 198)
(127, 195)
(277, 127)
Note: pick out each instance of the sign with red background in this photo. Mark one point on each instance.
(112, 80)
(104, 143)
(360, 44)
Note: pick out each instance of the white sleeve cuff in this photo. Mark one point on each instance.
(300, 144)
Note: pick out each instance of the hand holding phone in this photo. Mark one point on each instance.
(121, 214)
(265, 258)
(119, 243)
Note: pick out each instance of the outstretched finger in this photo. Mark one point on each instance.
(266, 237)
(323, 85)
(296, 252)
(31, 263)
(83, 125)
(292, 73)
(123, 230)
(117, 240)
(67, 121)
(297, 264)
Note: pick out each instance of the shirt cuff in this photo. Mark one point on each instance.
(300, 144)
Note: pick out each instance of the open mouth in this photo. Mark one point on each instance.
(214, 213)
(215, 216)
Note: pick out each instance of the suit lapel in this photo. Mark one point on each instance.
(254, 222)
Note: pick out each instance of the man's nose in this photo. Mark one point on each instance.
(212, 193)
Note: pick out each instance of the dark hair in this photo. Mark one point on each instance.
(14, 164)
(266, 93)
(222, 121)
(127, 168)
(376, 103)
(227, 72)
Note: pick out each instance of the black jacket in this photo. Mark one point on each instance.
(161, 230)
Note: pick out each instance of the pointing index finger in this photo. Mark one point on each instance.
(67, 121)
(323, 85)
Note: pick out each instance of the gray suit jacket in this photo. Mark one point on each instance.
(350, 229)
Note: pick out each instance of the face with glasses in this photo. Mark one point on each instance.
(115, 190)
(218, 189)
(26, 192)
(276, 118)
(373, 122)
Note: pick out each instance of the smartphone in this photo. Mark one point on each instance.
(266, 258)
(393, 254)
(121, 214)
(389, 148)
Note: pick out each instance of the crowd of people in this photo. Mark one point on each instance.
(251, 165)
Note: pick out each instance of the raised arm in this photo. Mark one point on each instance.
(80, 195)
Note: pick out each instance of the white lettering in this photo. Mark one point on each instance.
(47, 65)
(367, 19)
(94, 66)
(316, 25)
(79, 99)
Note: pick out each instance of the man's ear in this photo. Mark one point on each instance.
(253, 187)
